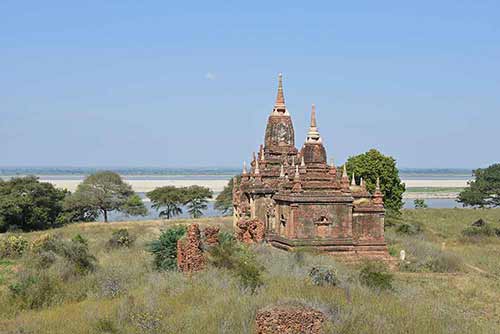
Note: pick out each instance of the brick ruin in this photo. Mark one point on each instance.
(289, 320)
(302, 201)
(190, 257)
(250, 231)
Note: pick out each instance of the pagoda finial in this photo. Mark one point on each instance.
(302, 161)
(344, 173)
(362, 183)
(353, 181)
(279, 106)
(297, 175)
(282, 171)
(377, 187)
(313, 134)
(256, 170)
(244, 168)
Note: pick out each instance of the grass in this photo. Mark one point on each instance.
(126, 295)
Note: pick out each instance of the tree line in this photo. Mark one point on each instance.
(28, 204)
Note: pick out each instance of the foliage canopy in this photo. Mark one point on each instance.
(373, 164)
(484, 191)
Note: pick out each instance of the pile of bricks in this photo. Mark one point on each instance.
(288, 320)
(250, 231)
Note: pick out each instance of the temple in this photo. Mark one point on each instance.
(301, 200)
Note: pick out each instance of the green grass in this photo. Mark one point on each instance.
(126, 295)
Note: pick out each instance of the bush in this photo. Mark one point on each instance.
(240, 261)
(47, 248)
(376, 276)
(324, 276)
(13, 246)
(120, 239)
(164, 249)
(225, 237)
(479, 231)
(33, 291)
(409, 229)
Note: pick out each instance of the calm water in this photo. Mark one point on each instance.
(146, 173)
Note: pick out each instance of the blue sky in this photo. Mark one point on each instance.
(159, 83)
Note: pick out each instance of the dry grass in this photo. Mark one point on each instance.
(125, 294)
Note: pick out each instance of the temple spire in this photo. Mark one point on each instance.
(313, 134)
(353, 181)
(244, 168)
(279, 106)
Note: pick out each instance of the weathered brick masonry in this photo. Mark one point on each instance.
(300, 200)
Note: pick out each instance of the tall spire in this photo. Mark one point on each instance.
(279, 106)
(353, 180)
(244, 172)
(313, 134)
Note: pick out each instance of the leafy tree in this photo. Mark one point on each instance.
(168, 199)
(420, 204)
(373, 164)
(104, 192)
(197, 199)
(224, 201)
(29, 204)
(484, 191)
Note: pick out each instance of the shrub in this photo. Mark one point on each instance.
(80, 239)
(120, 239)
(164, 249)
(105, 325)
(225, 237)
(240, 261)
(409, 229)
(47, 248)
(376, 276)
(32, 291)
(324, 276)
(478, 231)
(13, 246)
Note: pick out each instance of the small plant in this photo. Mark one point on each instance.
(225, 237)
(324, 276)
(105, 325)
(120, 239)
(479, 231)
(13, 246)
(80, 239)
(409, 229)
(240, 261)
(34, 291)
(376, 276)
(164, 249)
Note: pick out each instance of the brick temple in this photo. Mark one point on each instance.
(301, 200)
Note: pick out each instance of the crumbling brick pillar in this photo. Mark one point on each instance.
(250, 231)
(289, 320)
(211, 236)
(190, 256)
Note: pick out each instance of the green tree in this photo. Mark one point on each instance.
(168, 199)
(420, 204)
(484, 191)
(104, 192)
(197, 199)
(29, 204)
(224, 201)
(373, 164)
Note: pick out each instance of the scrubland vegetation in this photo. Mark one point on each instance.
(103, 278)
